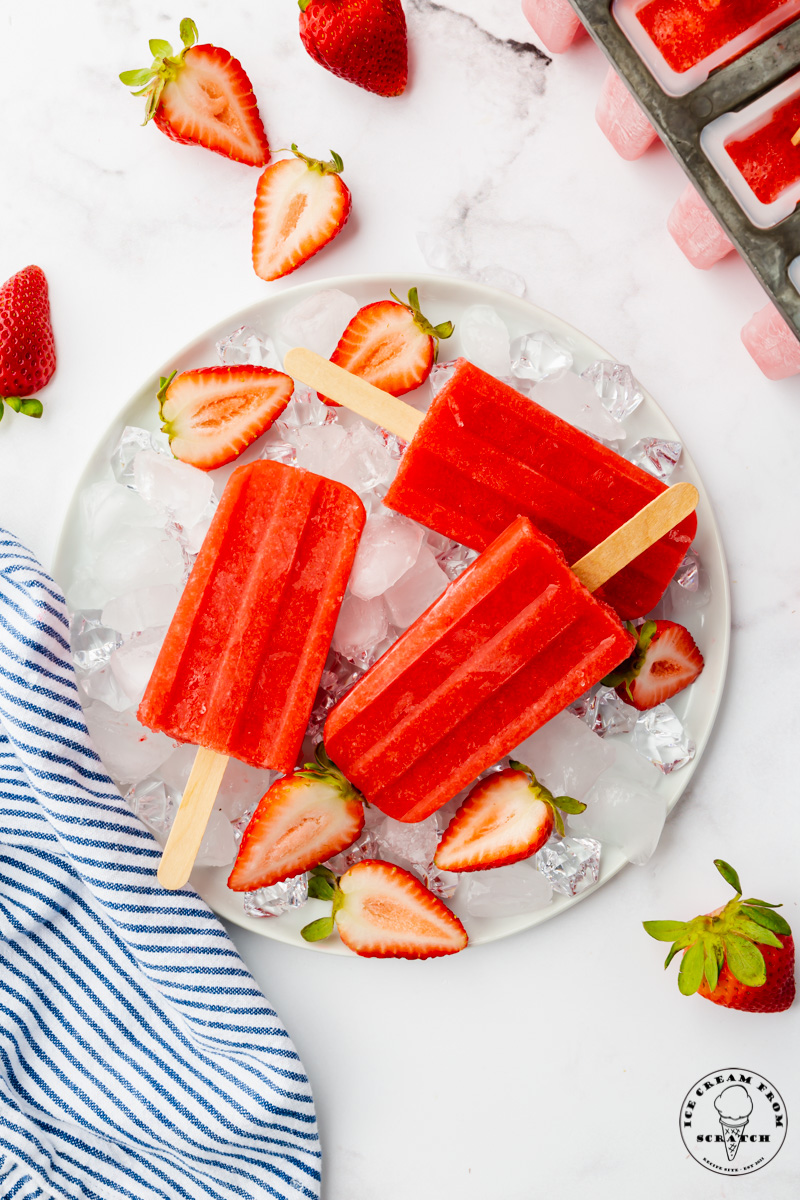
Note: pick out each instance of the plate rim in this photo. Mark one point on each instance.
(204, 878)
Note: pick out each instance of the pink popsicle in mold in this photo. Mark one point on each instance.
(772, 344)
(697, 231)
(555, 23)
(622, 120)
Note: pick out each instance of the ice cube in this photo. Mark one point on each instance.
(416, 590)
(131, 441)
(361, 626)
(414, 843)
(622, 813)
(439, 249)
(304, 408)
(622, 119)
(570, 864)
(318, 321)
(455, 559)
(502, 278)
(772, 343)
(660, 736)
(278, 899)
(143, 608)
(247, 347)
(634, 766)
(132, 663)
(604, 712)
(338, 676)
(373, 466)
(554, 22)
(128, 750)
(539, 356)
(155, 803)
(505, 891)
(656, 455)
(442, 373)
(241, 789)
(102, 685)
(107, 507)
(485, 340)
(575, 400)
(173, 486)
(619, 391)
(697, 231)
(388, 548)
(176, 769)
(84, 592)
(218, 847)
(92, 642)
(139, 558)
(321, 448)
(366, 845)
(687, 575)
(565, 755)
(443, 884)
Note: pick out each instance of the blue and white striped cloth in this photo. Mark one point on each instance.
(137, 1056)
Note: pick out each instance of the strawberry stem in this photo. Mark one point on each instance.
(444, 330)
(334, 167)
(165, 67)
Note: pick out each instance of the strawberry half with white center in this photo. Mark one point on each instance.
(362, 41)
(390, 344)
(201, 97)
(212, 414)
(27, 349)
(382, 911)
(301, 204)
(505, 818)
(740, 956)
(304, 819)
(664, 662)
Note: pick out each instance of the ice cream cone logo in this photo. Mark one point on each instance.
(733, 1121)
(734, 1107)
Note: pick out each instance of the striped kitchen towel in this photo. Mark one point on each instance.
(137, 1056)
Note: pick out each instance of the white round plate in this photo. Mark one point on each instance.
(446, 299)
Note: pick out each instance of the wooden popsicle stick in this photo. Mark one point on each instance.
(641, 531)
(191, 819)
(354, 393)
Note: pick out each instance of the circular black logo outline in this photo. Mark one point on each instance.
(738, 1072)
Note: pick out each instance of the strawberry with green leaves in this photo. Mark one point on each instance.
(27, 349)
(740, 956)
(390, 344)
(302, 820)
(212, 414)
(383, 911)
(301, 205)
(201, 96)
(665, 660)
(505, 818)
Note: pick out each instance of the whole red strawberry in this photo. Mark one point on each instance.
(362, 41)
(740, 956)
(27, 349)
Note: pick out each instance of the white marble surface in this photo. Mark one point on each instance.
(555, 1061)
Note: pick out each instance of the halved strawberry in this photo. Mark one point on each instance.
(212, 414)
(391, 345)
(740, 956)
(301, 204)
(664, 662)
(382, 911)
(303, 819)
(202, 96)
(505, 818)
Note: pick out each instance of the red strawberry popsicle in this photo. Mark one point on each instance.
(241, 662)
(484, 453)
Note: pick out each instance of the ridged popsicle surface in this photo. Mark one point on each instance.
(240, 665)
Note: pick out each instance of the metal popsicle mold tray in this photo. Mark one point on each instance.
(681, 121)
